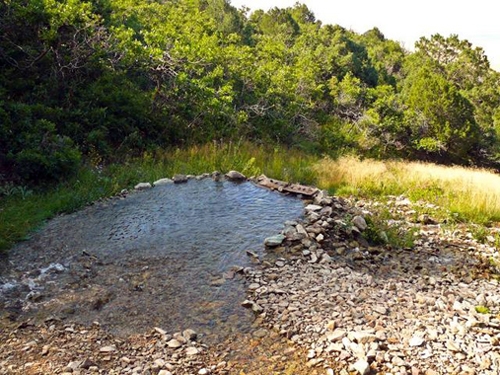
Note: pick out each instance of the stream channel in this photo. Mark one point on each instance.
(164, 257)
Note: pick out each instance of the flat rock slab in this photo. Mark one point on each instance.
(282, 186)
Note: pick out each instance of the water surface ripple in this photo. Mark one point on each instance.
(158, 257)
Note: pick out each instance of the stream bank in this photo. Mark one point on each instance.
(325, 302)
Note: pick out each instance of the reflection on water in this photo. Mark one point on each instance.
(162, 254)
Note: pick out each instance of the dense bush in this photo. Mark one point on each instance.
(115, 77)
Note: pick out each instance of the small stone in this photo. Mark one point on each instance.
(402, 201)
(336, 335)
(311, 354)
(313, 207)
(247, 303)
(257, 308)
(362, 337)
(87, 364)
(359, 222)
(143, 186)
(178, 336)
(301, 230)
(159, 363)
(192, 351)
(380, 309)
(164, 372)
(274, 241)
(362, 367)
(160, 331)
(235, 176)
(218, 282)
(204, 371)
(416, 341)
(252, 254)
(108, 349)
(163, 181)
(73, 365)
(174, 344)
(180, 178)
(189, 334)
(260, 333)
(451, 345)
(331, 325)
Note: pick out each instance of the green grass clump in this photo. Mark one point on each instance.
(378, 232)
(482, 310)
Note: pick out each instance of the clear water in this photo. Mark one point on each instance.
(159, 256)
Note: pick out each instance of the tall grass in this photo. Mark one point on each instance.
(281, 163)
(21, 214)
(471, 194)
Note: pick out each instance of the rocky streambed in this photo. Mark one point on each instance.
(321, 300)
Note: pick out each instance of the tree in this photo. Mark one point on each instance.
(468, 69)
(440, 120)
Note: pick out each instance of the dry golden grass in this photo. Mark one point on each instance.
(473, 194)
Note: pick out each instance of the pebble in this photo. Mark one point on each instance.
(399, 308)
(174, 344)
(192, 350)
(416, 341)
(108, 349)
(362, 367)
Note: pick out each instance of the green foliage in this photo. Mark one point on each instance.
(379, 232)
(121, 77)
(440, 119)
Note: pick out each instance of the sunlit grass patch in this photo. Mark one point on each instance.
(468, 193)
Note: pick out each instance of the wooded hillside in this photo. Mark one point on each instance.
(108, 78)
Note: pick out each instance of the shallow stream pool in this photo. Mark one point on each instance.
(159, 258)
